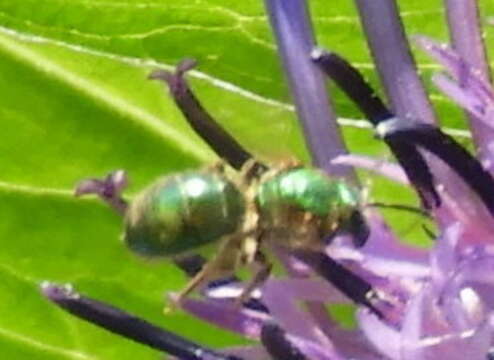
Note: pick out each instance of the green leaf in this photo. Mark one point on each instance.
(75, 102)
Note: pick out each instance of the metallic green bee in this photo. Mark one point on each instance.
(291, 205)
(246, 210)
(294, 207)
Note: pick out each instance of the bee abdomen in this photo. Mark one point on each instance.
(182, 212)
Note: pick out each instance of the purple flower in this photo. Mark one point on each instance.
(412, 303)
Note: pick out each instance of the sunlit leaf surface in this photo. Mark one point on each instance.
(75, 102)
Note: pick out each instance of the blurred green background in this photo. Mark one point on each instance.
(75, 102)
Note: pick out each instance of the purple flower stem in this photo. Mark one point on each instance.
(396, 67)
(354, 85)
(294, 36)
(109, 189)
(354, 287)
(391, 53)
(218, 139)
(454, 155)
(274, 340)
(467, 40)
(349, 79)
(466, 36)
(490, 355)
(127, 325)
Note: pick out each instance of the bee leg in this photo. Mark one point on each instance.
(260, 276)
(223, 264)
(217, 167)
(195, 282)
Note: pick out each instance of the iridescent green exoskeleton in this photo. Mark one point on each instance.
(183, 212)
(291, 206)
(286, 205)
(303, 205)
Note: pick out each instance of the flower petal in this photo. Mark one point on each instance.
(225, 314)
(380, 166)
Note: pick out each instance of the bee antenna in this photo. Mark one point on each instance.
(431, 234)
(401, 207)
